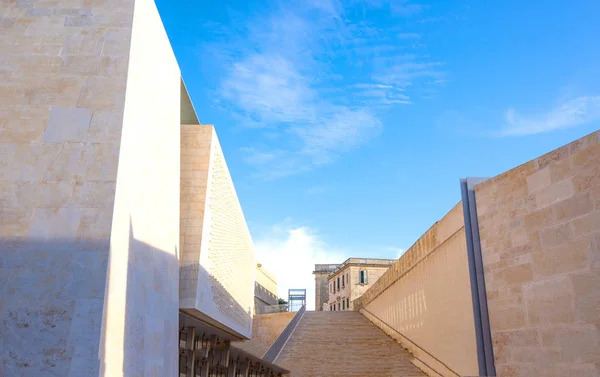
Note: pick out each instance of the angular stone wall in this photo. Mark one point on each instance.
(62, 92)
(141, 314)
(266, 279)
(217, 261)
(426, 296)
(540, 239)
(89, 114)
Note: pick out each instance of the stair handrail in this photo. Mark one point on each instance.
(277, 346)
(360, 307)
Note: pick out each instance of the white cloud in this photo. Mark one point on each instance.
(403, 71)
(291, 253)
(572, 113)
(279, 72)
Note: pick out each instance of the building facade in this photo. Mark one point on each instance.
(125, 251)
(338, 285)
(265, 289)
(321, 273)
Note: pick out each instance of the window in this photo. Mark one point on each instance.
(363, 277)
(348, 303)
(343, 304)
(347, 278)
(338, 280)
(343, 282)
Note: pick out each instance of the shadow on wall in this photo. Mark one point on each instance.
(51, 298)
(152, 311)
(211, 292)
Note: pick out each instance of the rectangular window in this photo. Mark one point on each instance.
(364, 277)
(338, 280)
(343, 304)
(343, 282)
(347, 303)
(347, 278)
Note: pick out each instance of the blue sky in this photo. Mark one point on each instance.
(347, 125)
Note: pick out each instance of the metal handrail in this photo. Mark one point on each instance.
(418, 346)
(277, 346)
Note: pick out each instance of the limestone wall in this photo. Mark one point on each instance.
(217, 262)
(266, 279)
(321, 291)
(141, 311)
(265, 289)
(89, 138)
(62, 91)
(426, 296)
(266, 328)
(540, 238)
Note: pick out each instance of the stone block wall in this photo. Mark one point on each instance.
(426, 296)
(217, 262)
(266, 279)
(265, 289)
(89, 138)
(266, 328)
(62, 89)
(321, 290)
(540, 238)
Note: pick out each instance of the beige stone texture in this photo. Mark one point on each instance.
(89, 166)
(426, 297)
(539, 224)
(266, 279)
(321, 290)
(266, 328)
(265, 290)
(328, 344)
(217, 267)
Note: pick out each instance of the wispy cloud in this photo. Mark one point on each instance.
(282, 72)
(409, 36)
(404, 8)
(567, 114)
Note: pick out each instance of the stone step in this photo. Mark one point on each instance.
(344, 344)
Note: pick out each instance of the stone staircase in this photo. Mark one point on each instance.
(329, 344)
